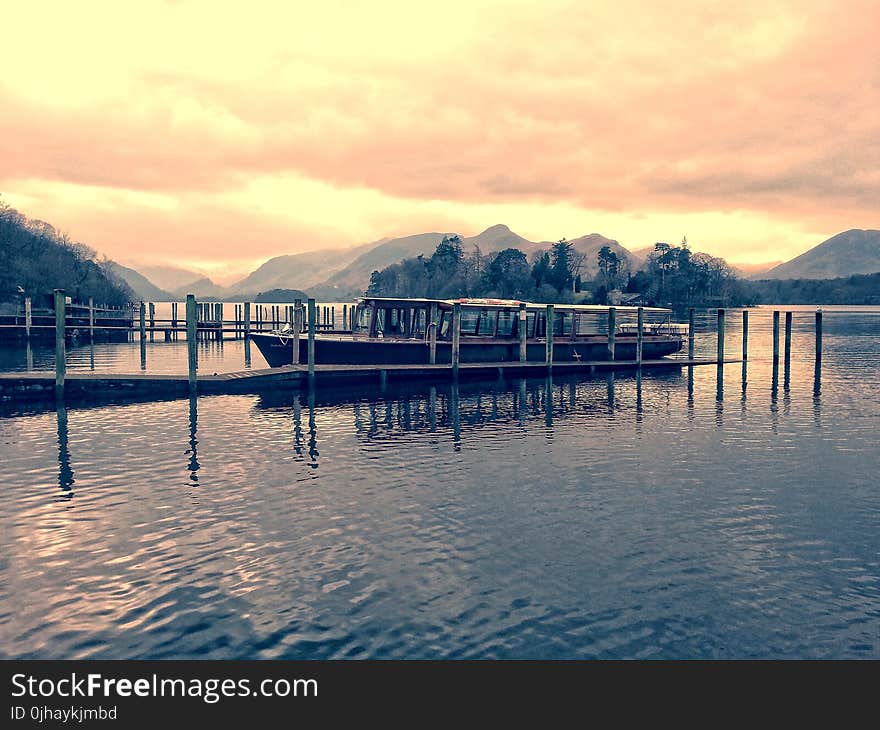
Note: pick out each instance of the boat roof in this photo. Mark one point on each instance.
(490, 303)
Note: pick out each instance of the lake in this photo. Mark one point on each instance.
(573, 517)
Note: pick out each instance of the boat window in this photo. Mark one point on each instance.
(470, 319)
(487, 323)
(443, 319)
(562, 323)
(506, 318)
(362, 317)
(419, 317)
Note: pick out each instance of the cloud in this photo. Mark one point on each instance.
(346, 122)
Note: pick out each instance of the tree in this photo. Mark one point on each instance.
(562, 265)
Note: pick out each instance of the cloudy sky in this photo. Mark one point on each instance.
(181, 132)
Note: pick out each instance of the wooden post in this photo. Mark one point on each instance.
(60, 325)
(191, 346)
(333, 318)
(247, 320)
(313, 316)
(456, 337)
(691, 319)
(775, 338)
(152, 319)
(612, 331)
(91, 319)
(28, 317)
(432, 334)
(296, 326)
(550, 322)
(787, 355)
(720, 356)
(143, 324)
(522, 329)
(745, 335)
(818, 336)
(640, 333)
(344, 316)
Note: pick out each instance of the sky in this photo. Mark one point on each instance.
(216, 135)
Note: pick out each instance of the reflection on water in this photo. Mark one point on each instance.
(622, 515)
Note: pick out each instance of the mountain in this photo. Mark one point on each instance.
(171, 278)
(754, 271)
(589, 246)
(352, 280)
(203, 288)
(299, 270)
(495, 239)
(852, 252)
(143, 289)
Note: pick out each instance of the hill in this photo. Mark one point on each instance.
(852, 252)
(169, 278)
(142, 288)
(283, 296)
(35, 259)
(352, 279)
(300, 270)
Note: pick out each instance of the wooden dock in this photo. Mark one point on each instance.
(42, 385)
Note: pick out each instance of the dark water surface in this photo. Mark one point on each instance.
(578, 517)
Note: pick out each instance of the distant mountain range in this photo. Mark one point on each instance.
(340, 274)
(849, 253)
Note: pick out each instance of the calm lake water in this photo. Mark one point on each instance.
(567, 518)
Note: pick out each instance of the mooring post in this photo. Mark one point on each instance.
(152, 320)
(173, 315)
(28, 317)
(191, 347)
(522, 329)
(787, 351)
(818, 336)
(776, 337)
(296, 326)
(220, 320)
(345, 316)
(432, 334)
(640, 333)
(142, 329)
(612, 331)
(745, 335)
(333, 318)
(91, 319)
(720, 355)
(549, 348)
(247, 320)
(313, 316)
(691, 321)
(456, 337)
(60, 325)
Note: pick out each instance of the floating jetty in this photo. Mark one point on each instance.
(41, 385)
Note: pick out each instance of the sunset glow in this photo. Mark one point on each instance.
(214, 139)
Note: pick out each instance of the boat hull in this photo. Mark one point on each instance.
(278, 350)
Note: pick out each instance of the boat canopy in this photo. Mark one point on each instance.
(489, 303)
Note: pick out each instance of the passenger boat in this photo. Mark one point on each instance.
(399, 331)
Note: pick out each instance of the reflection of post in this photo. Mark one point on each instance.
(522, 401)
(65, 472)
(522, 331)
(29, 356)
(609, 386)
(455, 416)
(638, 395)
(548, 398)
(612, 331)
(60, 354)
(297, 426)
(193, 466)
(432, 408)
(690, 385)
(313, 429)
(191, 351)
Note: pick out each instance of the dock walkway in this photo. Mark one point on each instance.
(19, 386)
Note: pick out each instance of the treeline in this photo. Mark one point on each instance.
(672, 275)
(860, 289)
(35, 259)
(551, 276)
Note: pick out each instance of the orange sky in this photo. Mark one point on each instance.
(214, 138)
